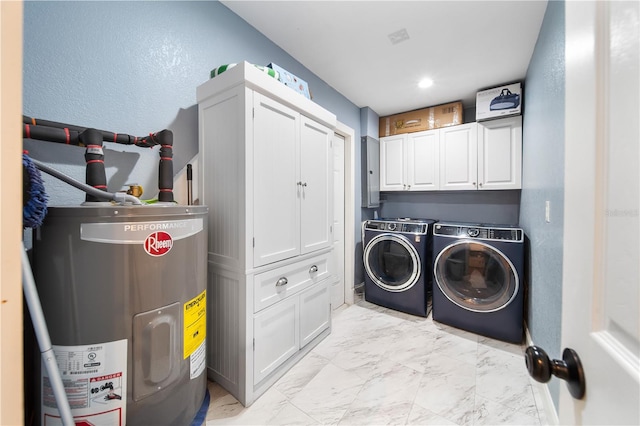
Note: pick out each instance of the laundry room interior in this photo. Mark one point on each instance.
(312, 212)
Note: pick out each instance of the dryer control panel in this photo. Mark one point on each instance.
(479, 232)
(404, 227)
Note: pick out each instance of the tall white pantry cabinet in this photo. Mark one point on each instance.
(265, 173)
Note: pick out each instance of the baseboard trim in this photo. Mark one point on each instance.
(542, 395)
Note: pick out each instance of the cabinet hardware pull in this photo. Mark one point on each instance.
(304, 184)
(313, 269)
(299, 183)
(282, 281)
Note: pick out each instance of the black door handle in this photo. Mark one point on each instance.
(541, 368)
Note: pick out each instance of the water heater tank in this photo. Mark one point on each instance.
(123, 291)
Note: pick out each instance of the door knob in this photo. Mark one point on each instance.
(541, 368)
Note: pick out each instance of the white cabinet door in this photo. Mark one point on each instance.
(392, 172)
(459, 157)
(315, 189)
(500, 154)
(422, 161)
(276, 200)
(314, 312)
(276, 337)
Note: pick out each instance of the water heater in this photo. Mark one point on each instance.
(123, 291)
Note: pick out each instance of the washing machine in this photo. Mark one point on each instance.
(478, 279)
(397, 263)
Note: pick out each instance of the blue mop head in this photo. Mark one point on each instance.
(34, 198)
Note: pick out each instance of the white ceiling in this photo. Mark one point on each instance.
(464, 46)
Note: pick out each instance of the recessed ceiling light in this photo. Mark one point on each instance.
(425, 82)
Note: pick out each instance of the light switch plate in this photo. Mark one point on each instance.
(547, 211)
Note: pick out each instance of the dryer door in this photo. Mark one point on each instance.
(392, 262)
(476, 276)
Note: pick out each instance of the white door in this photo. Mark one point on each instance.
(276, 337)
(423, 160)
(337, 267)
(600, 316)
(459, 157)
(276, 199)
(500, 153)
(314, 312)
(392, 173)
(315, 186)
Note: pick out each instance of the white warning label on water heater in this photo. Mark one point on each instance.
(95, 382)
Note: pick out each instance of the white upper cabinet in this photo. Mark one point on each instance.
(500, 148)
(392, 167)
(410, 162)
(459, 157)
(473, 156)
(423, 161)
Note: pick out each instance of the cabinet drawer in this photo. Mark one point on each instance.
(277, 284)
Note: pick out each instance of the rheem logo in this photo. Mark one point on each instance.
(158, 244)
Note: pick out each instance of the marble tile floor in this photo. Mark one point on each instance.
(382, 367)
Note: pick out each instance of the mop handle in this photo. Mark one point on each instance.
(42, 334)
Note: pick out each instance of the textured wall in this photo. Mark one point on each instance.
(543, 180)
(495, 207)
(133, 67)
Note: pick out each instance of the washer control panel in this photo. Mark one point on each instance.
(483, 232)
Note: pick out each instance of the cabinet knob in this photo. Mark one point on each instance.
(480, 184)
(313, 269)
(304, 184)
(299, 183)
(282, 281)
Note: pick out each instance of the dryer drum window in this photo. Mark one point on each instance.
(476, 276)
(392, 262)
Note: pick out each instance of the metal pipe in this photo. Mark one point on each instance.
(119, 197)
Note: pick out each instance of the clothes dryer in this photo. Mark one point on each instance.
(397, 263)
(478, 279)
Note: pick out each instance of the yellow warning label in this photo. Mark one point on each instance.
(195, 323)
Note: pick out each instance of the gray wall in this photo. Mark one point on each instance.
(490, 207)
(133, 67)
(543, 180)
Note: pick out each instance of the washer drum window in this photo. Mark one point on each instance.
(476, 276)
(392, 262)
